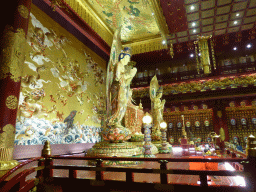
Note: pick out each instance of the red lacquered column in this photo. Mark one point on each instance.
(13, 32)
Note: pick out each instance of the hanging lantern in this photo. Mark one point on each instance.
(226, 39)
(238, 37)
(170, 47)
(252, 33)
(204, 51)
(197, 57)
(213, 42)
(213, 55)
(179, 48)
(190, 45)
(171, 50)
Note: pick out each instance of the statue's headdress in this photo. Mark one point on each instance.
(125, 51)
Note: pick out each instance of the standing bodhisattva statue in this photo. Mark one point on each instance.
(119, 77)
(120, 89)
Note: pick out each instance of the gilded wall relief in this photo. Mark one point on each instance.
(62, 96)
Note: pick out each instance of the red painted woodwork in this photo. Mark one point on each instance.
(151, 166)
(18, 167)
(8, 86)
(19, 21)
(175, 15)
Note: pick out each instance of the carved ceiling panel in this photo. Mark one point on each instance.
(134, 15)
(182, 20)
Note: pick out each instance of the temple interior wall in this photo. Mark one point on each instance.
(62, 89)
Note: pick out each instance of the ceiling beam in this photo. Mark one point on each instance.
(159, 17)
(144, 40)
(83, 9)
(153, 43)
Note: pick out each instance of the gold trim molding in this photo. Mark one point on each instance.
(189, 112)
(159, 17)
(241, 108)
(201, 85)
(86, 12)
(146, 45)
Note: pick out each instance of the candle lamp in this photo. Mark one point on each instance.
(147, 119)
(164, 148)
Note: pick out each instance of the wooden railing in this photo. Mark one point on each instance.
(18, 182)
(46, 167)
(167, 78)
(237, 68)
(163, 171)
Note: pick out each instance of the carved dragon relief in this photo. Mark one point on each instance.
(71, 78)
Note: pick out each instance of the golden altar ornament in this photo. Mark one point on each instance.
(157, 107)
(7, 148)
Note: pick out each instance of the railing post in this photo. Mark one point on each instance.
(48, 172)
(99, 174)
(46, 153)
(72, 173)
(129, 177)
(203, 180)
(22, 183)
(163, 176)
(40, 172)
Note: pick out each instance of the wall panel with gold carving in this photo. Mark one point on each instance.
(62, 94)
(198, 124)
(241, 121)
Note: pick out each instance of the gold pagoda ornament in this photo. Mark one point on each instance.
(183, 130)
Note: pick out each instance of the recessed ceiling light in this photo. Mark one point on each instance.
(235, 48)
(163, 42)
(192, 7)
(192, 55)
(249, 46)
(237, 14)
(193, 24)
(194, 31)
(235, 22)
